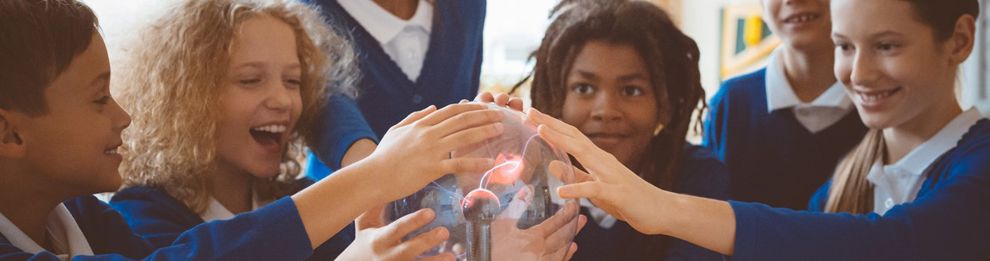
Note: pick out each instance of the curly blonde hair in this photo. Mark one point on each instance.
(174, 79)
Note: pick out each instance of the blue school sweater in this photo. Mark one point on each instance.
(771, 157)
(949, 219)
(160, 218)
(701, 175)
(450, 73)
(276, 233)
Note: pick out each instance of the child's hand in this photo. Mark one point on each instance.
(610, 186)
(417, 150)
(500, 99)
(376, 241)
(553, 235)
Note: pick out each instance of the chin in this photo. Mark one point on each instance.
(265, 172)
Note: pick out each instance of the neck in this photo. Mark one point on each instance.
(27, 206)
(808, 71)
(232, 188)
(403, 9)
(902, 139)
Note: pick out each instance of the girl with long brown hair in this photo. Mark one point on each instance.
(915, 189)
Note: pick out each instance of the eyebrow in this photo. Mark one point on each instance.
(623, 78)
(263, 65)
(874, 35)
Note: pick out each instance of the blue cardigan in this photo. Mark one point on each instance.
(276, 233)
(159, 218)
(949, 219)
(701, 175)
(451, 72)
(771, 157)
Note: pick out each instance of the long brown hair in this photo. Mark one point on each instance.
(672, 61)
(850, 191)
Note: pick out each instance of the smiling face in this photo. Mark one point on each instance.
(895, 70)
(611, 99)
(799, 23)
(72, 148)
(261, 99)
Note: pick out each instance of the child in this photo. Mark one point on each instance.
(263, 72)
(923, 152)
(61, 132)
(782, 129)
(623, 74)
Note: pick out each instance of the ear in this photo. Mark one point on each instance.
(11, 144)
(960, 44)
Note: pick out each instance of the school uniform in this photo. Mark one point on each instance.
(160, 218)
(778, 149)
(96, 231)
(434, 58)
(938, 210)
(605, 238)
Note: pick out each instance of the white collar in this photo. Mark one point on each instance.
(780, 93)
(916, 161)
(216, 211)
(383, 25)
(67, 238)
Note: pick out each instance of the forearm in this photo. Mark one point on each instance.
(704, 222)
(358, 151)
(330, 204)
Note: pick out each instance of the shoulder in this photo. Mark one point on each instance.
(151, 204)
(742, 91)
(702, 174)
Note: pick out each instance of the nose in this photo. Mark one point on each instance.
(280, 97)
(119, 118)
(864, 70)
(606, 108)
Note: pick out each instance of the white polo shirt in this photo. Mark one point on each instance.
(405, 41)
(824, 111)
(67, 239)
(900, 182)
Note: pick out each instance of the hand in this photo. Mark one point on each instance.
(500, 99)
(552, 235)
(417, 150)
(610, 185)
(376, 241)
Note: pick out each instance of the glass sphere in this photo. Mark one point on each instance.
(509, 212)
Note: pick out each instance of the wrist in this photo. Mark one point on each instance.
(667, 205)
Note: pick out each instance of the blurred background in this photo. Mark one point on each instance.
(730, 34)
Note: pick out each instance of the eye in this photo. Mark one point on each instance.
(845, 47)
(249, 81)
(887, 46)
(293, 83)
(584, 89)
(632, 91)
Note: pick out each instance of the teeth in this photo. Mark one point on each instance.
(801, 19)
(874, 96)
(112, 151)
(271, 128)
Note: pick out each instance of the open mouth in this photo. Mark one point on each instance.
(270, 135)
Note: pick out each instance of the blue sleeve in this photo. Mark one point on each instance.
(342, 124)
(682, 250)
(274, 232)
(948, 223)
(155, 222)
(713, 132)
(818, 200)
